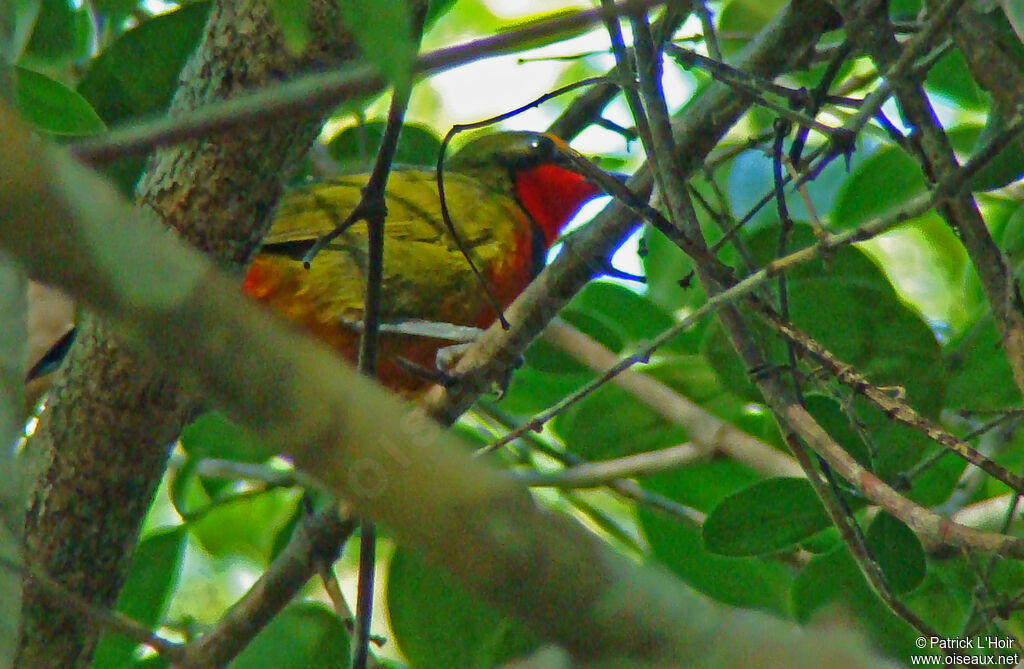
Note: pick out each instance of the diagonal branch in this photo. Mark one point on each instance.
(318, 538)
(320, 92)
(709, 433)
(540, 567)
(893, 407)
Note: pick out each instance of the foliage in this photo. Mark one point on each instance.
(906, 309)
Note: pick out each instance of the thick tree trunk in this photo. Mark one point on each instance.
(101, 447)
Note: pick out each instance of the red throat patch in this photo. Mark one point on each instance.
(552, 195)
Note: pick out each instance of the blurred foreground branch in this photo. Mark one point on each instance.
(395, 465)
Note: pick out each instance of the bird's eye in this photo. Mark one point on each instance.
(543, 148)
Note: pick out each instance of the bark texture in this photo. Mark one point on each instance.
(102, 446)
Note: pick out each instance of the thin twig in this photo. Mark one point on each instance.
(598, 474)
(586, 108)
(872, 228)
(893, 406)
(627, 78)
(113, 621)
(628, 489)
(446, 213)
(642, 353)
(751, 86)
(707, 25)
(376, 212)
(666, 160)
(318, 537)
(708, 432)
(903, 67)
(853, 537)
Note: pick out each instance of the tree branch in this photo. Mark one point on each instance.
(709, 433)
(542, 568)
(318, 537)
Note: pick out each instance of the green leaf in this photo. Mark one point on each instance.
(227, 528)
(837, 424)
(748, 582)
(745, 17)
(614, 316)
(634, 317)
(286, 530)
(693, 378)
(303, 636)
(935, 484)
(437, 624)
(435, 10)
(355, 148)
(115, 8)
(850, 308)
(925, 261)
(951, 77)
(137, 74)
(292, 16)
(25, 14)
(1011, 241)
(822, 580)
(611, 423)
(52, 107)
(183, 490)
(605, 331)
(878, 443)
(383, 31)
(1007, 165)
(978, 374)
(702, 485)
(906, 10)
(144, 596)
(835, 577)
(1015, 16)
(533, 389)
(543, 356)
(1004, 30)
(54, 33)
(671, 283)
(898, 552)
(886, 180)
(768, 516)
(213, 435)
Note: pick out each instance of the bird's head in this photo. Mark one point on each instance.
(530, 166)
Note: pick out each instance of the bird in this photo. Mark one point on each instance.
(509, 195)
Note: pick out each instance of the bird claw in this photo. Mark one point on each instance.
(438, 376)
(445, 359)
(447, 356)
(501, 387)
